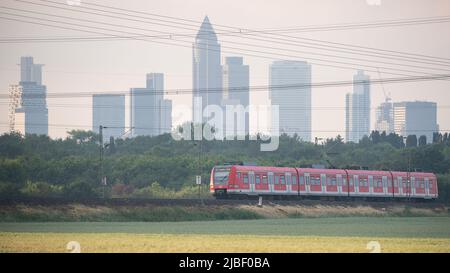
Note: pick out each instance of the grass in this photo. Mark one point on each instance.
(120, 242)
(83, 213)
(343, 234)
(154, 213)
(401, 227)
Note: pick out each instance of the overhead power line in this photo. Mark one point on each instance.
(174, 35)
(257, 51)
(257, 88)
(251, 31)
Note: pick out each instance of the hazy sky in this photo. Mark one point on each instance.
(105, 66)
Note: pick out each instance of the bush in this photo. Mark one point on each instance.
(80, 190)
(8, 189)
(41, 189)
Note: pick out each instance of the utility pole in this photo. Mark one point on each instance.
(102, 178)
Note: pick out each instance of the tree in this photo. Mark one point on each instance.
(422, 140)
(411, 141)
(81, 136)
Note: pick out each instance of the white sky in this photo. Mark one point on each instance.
(118, 65)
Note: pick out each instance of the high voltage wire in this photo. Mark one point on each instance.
(247, 44)
(243, 30)
(281, 130)
(357, 66)
(162, 37)
(257, 51)
(111, 106)
(259, 88)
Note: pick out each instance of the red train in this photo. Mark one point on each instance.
(237, 180)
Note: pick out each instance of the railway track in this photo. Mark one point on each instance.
(213, 202)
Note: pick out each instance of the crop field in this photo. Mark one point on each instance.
(343, 234)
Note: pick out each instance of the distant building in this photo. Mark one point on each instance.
(206, 70)
(416, 118)
(294, 102)
(33, 97)
(108, 110)
(151, 114)
(357, 109)
(236, 90)
(385, 118)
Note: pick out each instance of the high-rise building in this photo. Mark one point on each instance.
(357, 106)
(108, 110)
(290, 89)
(151, 114)
(165, 116)
(385, 118)
(416, 118)
(34, 97)
(236, 90)
(206, 70)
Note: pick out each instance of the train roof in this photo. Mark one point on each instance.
(263, 168)
(328, 171)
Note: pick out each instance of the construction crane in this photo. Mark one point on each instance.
(15, 101)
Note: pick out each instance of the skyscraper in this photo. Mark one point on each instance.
(357, 119)
(416, 118)
(385, 118)
(236, 89)
(295, 101)
(108, 110)
(151, 114)
(206, 69)
(34, 94)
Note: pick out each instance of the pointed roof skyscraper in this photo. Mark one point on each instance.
(206, 30)
(206, 70)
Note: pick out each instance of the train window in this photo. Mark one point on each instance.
(294, 180)
(239, 175)
(277, 179)
(351, 182)
(333, 181)
(363, 182)
(258, 179)
(245, 179)
(282, 180)
(264, 179)
(328, 181)
(315, 180)
(300, 180)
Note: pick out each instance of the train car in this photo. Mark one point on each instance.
(253, 180)
(238, 180)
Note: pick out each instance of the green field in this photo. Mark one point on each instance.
(409, 227)
(344, 234)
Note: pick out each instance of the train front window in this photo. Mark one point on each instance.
(221, 175)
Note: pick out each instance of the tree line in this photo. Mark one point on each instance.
(160, 166)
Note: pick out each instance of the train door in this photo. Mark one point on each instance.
(370, 184)
(339, 183)
(270, 175)
(400, 185)
(427, 187)
(385, 184)
(356, 183)
(251, 176)
(288, 182)
(413, 186)
(323, 182)
(307, 182)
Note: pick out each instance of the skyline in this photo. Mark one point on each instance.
(328, 111)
